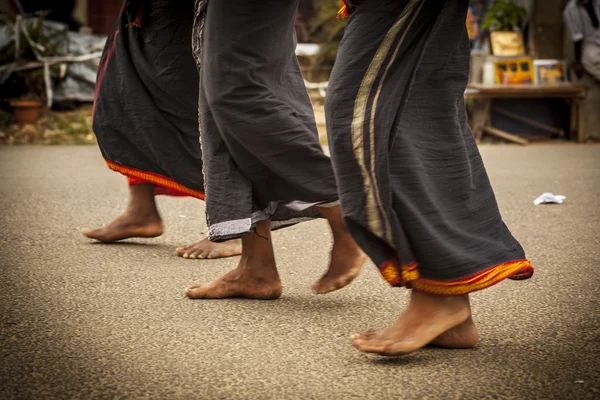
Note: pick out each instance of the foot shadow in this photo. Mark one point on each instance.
(397, 361)
(125, 243)
(424, 356)
(307, 303)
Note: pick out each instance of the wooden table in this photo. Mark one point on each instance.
(573, 93)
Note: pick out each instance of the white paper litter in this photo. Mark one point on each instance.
(549, 198)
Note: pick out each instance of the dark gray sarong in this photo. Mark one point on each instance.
(145, 111)
(414, 192)
(262, 156)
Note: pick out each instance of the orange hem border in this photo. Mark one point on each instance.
(137, 176)
(409, 277)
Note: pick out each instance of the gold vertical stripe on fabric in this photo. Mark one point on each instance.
(360, 111)
(388, 231)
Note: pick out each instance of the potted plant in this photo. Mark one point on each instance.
(505, 21)
(33, 42)
(28, 107)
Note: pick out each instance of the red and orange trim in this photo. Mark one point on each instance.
(137, 22)
(343, 11)
(346, 8)
(408, 276)
(163, 184)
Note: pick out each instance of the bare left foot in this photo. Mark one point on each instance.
(238, 283)
(426, 318)
(210, 250)
(347, 259)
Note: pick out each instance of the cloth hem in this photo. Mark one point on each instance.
(164, 185)
(408, 276)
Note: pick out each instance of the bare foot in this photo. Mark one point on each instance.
(127, 226)
(207, 249)
(347, 258)
(427, 319)
(141, 219)
(463, 336)
(237, 283)
(256, 276)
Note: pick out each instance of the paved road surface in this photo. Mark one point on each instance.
(80, 320)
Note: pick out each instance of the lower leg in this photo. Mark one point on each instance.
(256, 276)
(428, 319)
(140, 219)
(347, 258)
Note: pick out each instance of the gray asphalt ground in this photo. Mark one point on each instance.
(80, 320)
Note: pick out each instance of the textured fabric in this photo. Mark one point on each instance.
(591, 56)
(590, 105)
(414, 191)
(262, 156)
(579, 20)
(145, 113)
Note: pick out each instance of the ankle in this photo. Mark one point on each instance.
(263, 276)
(435, 300)
(142, 213)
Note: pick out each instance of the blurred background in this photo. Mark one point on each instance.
(529, 81)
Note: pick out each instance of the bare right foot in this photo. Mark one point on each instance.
(127, 226)
(463, 336)
(141, 219)
(427, 319)
(207, 249)
(256, 276)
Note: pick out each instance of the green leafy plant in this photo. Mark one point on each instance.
(504, 15)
